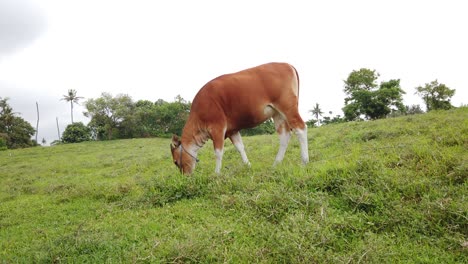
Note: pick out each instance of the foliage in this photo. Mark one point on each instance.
(436, 96)
(311, 123)
(146, 118)
(365, 98)
(161, 119)
(73, 99)
(76, 132)
(267, 127)
(364, 79)
(56, 142)
(335, 120)
(119, 117)
(413, 110)
(409, 110)
(108, 113)
(171, 117)
(14, 130)
(389, 191)
(3, 143)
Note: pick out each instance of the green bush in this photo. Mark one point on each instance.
(267, 127)
(76, 132)
(3, 145)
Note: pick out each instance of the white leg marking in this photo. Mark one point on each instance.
(302, 136)
(284, 141)
(237, 141)
(219, 158)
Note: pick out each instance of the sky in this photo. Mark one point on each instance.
(160, 49)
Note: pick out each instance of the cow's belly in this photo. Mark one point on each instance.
(250, 119)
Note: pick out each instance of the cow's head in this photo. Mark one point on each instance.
(181, 158)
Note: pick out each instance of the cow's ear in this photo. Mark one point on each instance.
(175, 141)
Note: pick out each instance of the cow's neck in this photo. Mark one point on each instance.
(193, 139)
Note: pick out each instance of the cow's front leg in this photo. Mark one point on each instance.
(218, 144)
(219, 159)
(282, 128)
(237, 141)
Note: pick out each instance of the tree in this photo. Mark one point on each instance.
(120, 117)
(365, 98)
(73, 99)
(387, 98)
(316, 111)
(145, 118)
(6, 115)
(15, 132)
(160, 118)
(364, 79)
(171, 117)
(435, 96)
(76, 132)
(413, 110)
(329, 120)
(409, 110)
(160, 102)
(108, 114)
(311, 123)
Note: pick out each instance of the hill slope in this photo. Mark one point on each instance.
(386, 191)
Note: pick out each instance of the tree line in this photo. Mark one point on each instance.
(120, 117)
(366, 99)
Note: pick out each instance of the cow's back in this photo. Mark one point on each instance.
(240, 99)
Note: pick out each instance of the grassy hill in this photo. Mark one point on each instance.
(386, 191)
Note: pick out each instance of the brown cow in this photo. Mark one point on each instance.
(235, 101)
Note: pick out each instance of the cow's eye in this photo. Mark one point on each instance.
(175, 162)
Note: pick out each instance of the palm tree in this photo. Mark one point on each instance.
(73, 99)
(316, 112)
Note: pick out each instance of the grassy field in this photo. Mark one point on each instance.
(387, 191)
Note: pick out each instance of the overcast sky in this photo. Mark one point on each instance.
(159, 49)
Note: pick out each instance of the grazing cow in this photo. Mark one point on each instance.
(235, 101)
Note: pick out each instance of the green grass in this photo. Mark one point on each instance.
(387, 191)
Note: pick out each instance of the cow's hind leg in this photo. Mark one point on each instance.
(300, 129)
(237, 141)
(301, 134)
(284, 133)
(294, 123)
(218, 143)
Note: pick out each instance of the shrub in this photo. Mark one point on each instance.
(76, 132)
(267, 127)
(3, 145)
